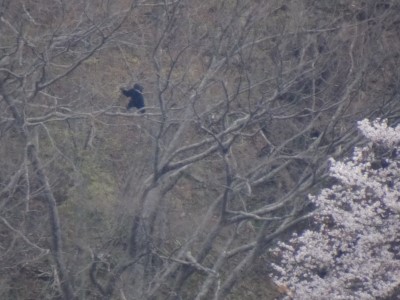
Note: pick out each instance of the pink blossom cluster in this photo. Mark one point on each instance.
(353, 248)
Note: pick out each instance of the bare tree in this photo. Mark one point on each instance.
(298, 105)
(245, 102)
(37, 52)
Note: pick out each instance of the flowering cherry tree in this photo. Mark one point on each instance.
(353, 249)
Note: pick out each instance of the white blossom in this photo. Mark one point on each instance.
(354, 250)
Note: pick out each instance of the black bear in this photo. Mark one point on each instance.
(136, 95)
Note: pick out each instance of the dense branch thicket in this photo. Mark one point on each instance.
(245, 102)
